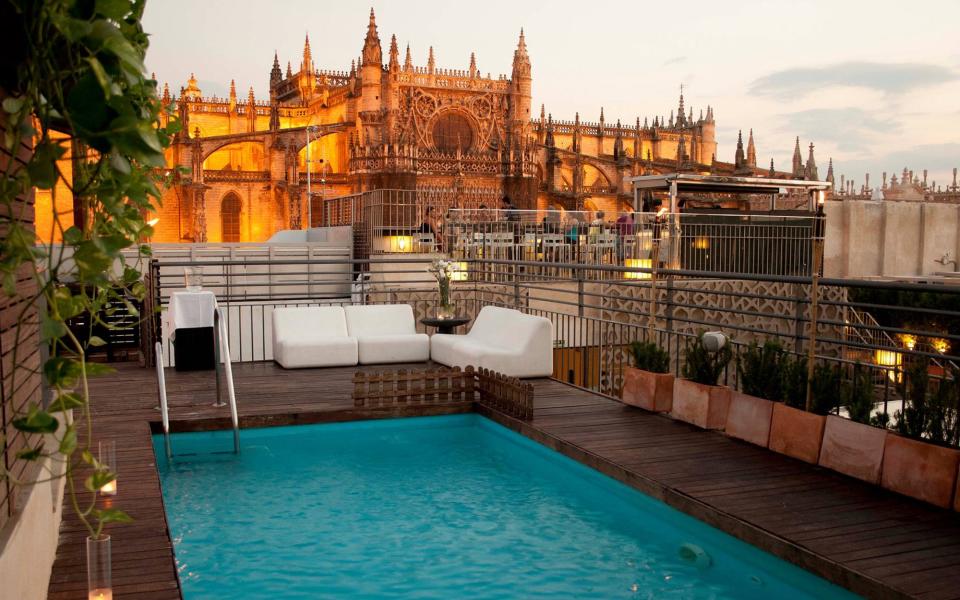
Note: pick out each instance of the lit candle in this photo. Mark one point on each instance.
(101, 594)
(109, 488)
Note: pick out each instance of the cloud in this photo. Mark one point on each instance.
(884, 77)
(675, 60)
(850, 129)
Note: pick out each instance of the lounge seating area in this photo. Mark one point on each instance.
(503, 340)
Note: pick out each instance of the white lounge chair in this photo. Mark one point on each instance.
(386, 333)
(312, 336)
(501, 339)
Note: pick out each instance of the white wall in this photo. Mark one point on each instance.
(876, 238)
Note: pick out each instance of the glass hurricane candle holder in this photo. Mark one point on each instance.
(108, 458)
(99, 575)
(193, 278)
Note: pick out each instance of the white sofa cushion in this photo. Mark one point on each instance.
(503, 340)
(382, 349)
(386, 333)
(312, 336)
(380, 319)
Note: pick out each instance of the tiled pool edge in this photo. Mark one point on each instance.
(804, 558)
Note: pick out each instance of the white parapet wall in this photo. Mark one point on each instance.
(28, 542)
(882, 238)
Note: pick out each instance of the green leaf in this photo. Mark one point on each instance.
(61, 372)
(119, 163)
(12, 105)
(36, 421)
(31, 454)
(112, 515)
(97, 369)
(69, 442)
(113, 9)
(50, 328)
(66, 401)
(96, 340)
(102, 78)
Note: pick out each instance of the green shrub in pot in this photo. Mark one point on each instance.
(648, 356)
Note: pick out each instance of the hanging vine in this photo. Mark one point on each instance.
(74, 87)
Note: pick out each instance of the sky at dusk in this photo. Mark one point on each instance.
(875, 85)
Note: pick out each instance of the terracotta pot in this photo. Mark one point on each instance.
(648, 390)
(701, 405)
(852, 448)
(749, 418)
(920, 469)
(796, 433)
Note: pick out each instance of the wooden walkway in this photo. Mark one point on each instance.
(873, 542)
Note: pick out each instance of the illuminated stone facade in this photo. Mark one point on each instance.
(466, 137)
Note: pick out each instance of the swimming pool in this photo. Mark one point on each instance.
(437, 507)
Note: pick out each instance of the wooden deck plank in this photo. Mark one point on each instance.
(872, 541)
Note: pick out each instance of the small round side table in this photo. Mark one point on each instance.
(445, 325)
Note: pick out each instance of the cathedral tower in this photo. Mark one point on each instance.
(520, 93)
(371, 70)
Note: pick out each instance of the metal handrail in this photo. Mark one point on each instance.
(224, 347)
(164, 410)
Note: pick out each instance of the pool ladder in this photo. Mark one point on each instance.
(221, 346)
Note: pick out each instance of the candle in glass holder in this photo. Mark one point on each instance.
(108, 458)
(101, 594)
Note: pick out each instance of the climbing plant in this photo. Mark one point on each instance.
(74, 88)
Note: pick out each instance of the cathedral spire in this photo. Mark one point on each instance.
(307, 65)
(521, 60)
(473, 65)
(681, 113)
(751, 151)
(275, 73)
(773, 172)
(811, 170)
(797, 161)
(408, 61)
(830, 171)
(233, 95)
(394, 54)
(738, 160)
(431, 64)
(289, 70)
(372, 55)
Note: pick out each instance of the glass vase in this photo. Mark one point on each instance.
(99, 576)
(108, 458)
(446, 311)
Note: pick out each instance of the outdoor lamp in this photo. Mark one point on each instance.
(713, 341)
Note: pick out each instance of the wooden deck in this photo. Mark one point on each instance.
(873, 542)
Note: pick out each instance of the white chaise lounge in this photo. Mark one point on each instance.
(386, 333)
(312, 336)
(501, 339)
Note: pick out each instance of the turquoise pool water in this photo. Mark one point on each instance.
(437, 507)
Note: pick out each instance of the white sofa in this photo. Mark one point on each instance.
(503, 340)
(386, 333)
(312, 336)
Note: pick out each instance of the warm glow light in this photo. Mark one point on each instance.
(400, 243)
(638, 263)
(153, 222)
(891, 359)
(821, 197)
(940, 345)
(701, 243)
(460, 272)
(101, 594)
(662, 211)
(109, 488)
(909, 341)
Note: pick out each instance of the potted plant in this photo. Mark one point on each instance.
(648, 384)
(853, 446)
(751, 407)
(697, 399)
(794, 431)
(921, 467)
